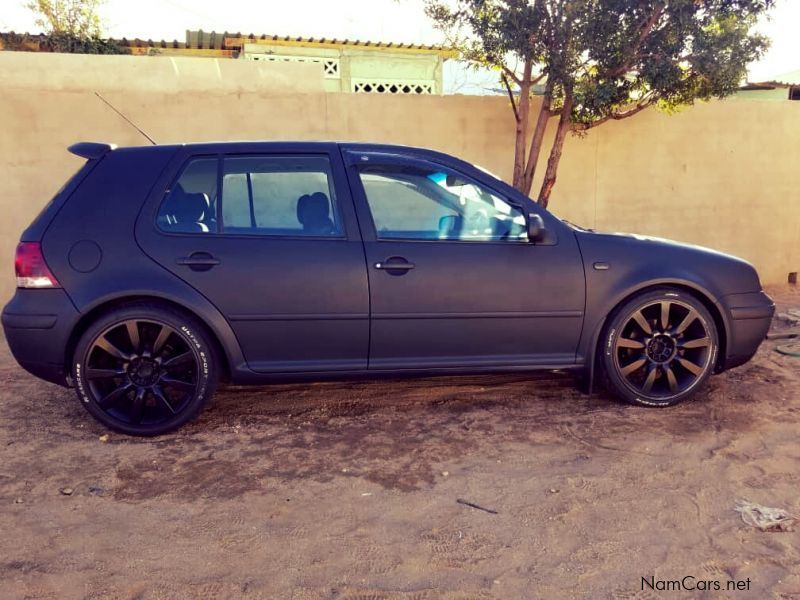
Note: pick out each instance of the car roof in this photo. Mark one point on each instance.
(97, 149)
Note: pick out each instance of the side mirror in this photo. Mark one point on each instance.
(536, 230)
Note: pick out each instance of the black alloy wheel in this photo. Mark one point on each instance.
(660, 348)
(144, 372)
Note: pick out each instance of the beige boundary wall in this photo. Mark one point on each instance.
(724, 175)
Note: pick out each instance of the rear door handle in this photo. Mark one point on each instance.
(198, 261)
(396, 264)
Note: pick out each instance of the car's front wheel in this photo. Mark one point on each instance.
(144, 369)
(659, 348)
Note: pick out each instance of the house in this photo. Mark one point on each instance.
(782, 87)
(348, 65)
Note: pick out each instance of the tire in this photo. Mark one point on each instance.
(648, 362)
(145, 369)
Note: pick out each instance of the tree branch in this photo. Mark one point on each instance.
(538, 78)
(513, 76)
(545, 112)
(644, 30)
(510, 96)
(619, 116)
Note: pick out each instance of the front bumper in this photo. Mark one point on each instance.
(38, 325)
(750, 316)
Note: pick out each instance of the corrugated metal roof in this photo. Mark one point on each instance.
(234, 41)
(230, 44)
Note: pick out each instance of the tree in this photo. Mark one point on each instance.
(600, 60)
(73, 26)
(77, 18)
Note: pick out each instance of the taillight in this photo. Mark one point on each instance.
(32, 271)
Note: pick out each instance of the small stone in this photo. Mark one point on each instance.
(788, 317)
(66, 491)
(345, 470)
(104, 438)
(553, 491)
(19, 501)
(445, 473)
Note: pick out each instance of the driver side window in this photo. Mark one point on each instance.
(436, 204)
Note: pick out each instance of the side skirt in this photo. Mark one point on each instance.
(249, 377)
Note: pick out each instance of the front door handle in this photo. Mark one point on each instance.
(198, 261)
(398, 264)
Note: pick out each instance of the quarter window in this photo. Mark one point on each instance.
(279, 195)
(190, 204)
(436, 204)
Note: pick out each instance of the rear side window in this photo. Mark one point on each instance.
(265, 195)
(279, 195)
(190, 204)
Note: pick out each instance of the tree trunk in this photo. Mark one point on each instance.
(522, 125)
(564, 124)
(536, 142)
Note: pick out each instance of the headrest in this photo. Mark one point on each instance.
(312, 208)
(191, 208)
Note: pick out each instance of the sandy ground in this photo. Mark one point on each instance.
(348, 491)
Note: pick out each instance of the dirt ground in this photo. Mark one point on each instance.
(349, 491)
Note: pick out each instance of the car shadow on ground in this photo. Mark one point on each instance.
(393, 432)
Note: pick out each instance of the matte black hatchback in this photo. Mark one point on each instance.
(157, 271)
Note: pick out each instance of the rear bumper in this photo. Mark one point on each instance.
(38, 324)
(750, 317)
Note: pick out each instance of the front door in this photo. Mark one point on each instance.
(271, 239)
(454, 280)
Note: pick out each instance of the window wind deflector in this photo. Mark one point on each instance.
(91, 150)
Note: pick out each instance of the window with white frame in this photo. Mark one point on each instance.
(330, 66)
(389, 86)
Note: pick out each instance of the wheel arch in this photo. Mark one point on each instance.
(697, 291)
(109, 304)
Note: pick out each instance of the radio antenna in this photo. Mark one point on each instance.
(127, 120)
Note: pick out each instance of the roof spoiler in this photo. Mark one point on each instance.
(90, 150)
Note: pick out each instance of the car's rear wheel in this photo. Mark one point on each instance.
(660, 347)
(144, 369)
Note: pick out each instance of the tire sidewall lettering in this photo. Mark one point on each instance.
(610, 341)
(81, 385)
(203, 358)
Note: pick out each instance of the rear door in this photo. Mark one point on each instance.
(454, 280)
(268, 234)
